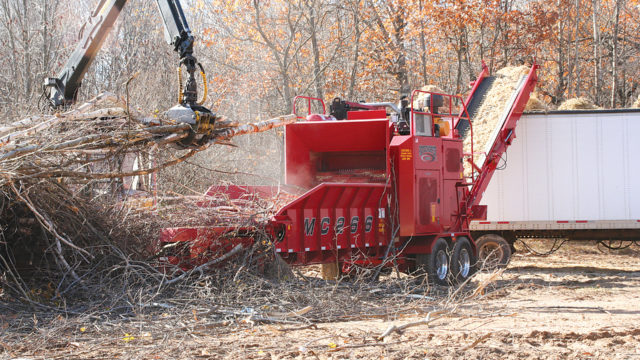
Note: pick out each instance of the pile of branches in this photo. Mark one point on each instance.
(216, 208)
(64, 216)
(65, 145)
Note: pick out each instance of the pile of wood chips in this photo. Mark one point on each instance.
(580, 103)
(419, 102)
(491, 112)
(637, 103)
(535, 104)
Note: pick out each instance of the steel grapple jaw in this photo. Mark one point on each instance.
(201, 120)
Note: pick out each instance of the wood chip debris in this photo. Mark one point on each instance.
(490, 112)
(535, 104)
(420, 101)
(580, 103)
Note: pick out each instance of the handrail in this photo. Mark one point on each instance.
(309, 99)
(464, 114)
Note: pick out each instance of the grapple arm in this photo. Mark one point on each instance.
(62, 90)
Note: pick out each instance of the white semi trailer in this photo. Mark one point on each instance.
(568, 174)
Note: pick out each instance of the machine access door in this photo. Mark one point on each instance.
(428, 201)
(428, 184)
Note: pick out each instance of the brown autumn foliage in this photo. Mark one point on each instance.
(260, 54)
(378, 50)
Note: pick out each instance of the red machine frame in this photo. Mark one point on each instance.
(368, 188)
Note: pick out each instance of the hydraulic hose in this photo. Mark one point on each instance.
(204, 85)
(179, 84)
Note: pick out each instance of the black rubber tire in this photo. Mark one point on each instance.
(462, 261)
(494, 252)
(437, 271)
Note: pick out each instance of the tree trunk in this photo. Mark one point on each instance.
(317, 70)
(402, 73)
(356, 54)
(561, 59)
(614, 57)
(26, 46)
(574, 67)
(423, 46)
(596, 53)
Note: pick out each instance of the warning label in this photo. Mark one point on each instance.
(405, 154)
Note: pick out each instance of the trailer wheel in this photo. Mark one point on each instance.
(494, 251)
(436, 263)
(462, 261)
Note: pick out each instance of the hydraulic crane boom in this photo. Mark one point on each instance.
(178, 34)
(63, 89)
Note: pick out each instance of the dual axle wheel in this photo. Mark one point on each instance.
(454, 264)
(446, 266)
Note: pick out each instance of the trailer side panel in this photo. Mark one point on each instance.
(568, 171)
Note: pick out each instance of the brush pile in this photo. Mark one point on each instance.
(217, 208)
(64, 211)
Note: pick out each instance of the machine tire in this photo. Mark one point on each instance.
(494, 252)
(462, 261)
(437, 264)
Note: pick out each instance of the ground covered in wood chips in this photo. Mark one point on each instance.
(579, 302)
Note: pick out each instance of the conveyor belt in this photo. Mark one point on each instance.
(481, 155)
(474, 105)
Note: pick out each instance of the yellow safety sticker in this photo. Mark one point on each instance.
(405, 154)
(433, 212)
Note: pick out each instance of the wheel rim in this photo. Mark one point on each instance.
(442, 265)
(465, 263)
(491, 253)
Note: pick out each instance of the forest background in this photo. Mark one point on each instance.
(260, 54)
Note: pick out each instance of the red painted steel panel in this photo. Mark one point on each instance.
(450, 202)
(309, 233)
(452, 169)
(402, 154)
(367, 114)
(428, 153)
(311, 145)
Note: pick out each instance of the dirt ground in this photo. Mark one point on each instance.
(579, 302)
